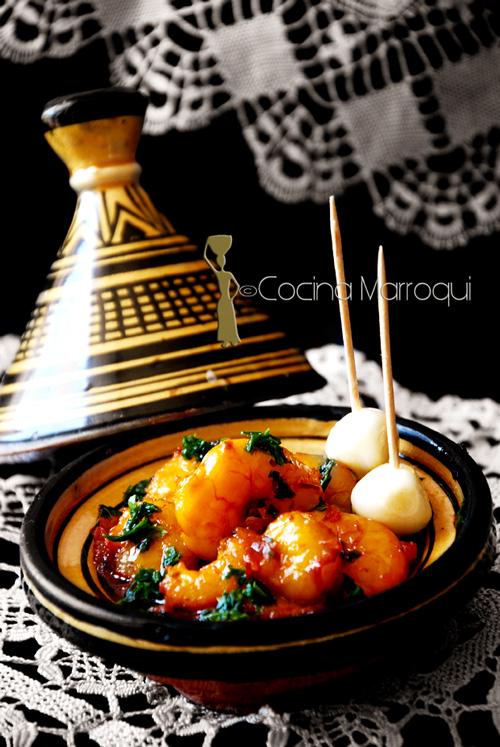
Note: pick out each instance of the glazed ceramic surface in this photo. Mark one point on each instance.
(126, 327)
(244, 663)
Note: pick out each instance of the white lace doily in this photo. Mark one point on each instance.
(50, 689)
(399, 94)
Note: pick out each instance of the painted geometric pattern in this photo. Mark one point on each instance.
(124, 213)
(127, 328)
(138, 309)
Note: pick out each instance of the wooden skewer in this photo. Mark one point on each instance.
(385, 344)
(345, 320)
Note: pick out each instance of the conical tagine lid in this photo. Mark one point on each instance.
(134, 325)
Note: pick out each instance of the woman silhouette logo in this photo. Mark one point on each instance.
(227, 332)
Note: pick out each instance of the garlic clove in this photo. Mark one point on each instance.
(359, 440)
(395, 497)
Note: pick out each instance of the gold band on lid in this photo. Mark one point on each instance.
(94, 177)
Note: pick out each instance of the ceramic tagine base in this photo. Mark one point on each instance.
(245, 697)
(285, 662)
(125, 331)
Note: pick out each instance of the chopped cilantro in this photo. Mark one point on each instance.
(144, 590)
(356, 592)
(169, 557)
(232, 605)
(237, 573)
(106, 512)
(321, 506)
(145, 543)
(351, 590)
(265, 441)
(252, 589)
(257, 593)
(196, 448)
(325, 471)
(138, 491)
(281, 488)
(139, 527)
(229, 608)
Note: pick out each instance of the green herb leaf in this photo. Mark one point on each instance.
(144, 590)
(281, 488)
(139, 526)
(107, 512)
(357, 592)
(257, 593)
(144, 544)
(321, 506)
(351, 590)
(325, 471)
(130, 532)
(196, 448)
(237, 573)
(229, 609)
(231, 605)
(170, 557)
(139, 508)
(138, 491)
(265, 441)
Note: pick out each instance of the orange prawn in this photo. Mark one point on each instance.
(213, 501)
(376, 559)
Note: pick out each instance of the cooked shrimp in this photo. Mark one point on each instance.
(167, 479)
(250, 515)
(310, 562)
(299, 559)
(160, 492)
(375, 558)
(339, 489)
(129, 559)
(194, 590)
(213, 500)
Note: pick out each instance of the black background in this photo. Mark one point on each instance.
(205, 181)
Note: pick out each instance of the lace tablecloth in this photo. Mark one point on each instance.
(52, 693)
(400, 95)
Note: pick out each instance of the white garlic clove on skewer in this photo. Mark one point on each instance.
(359, 440)
(395, 497)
